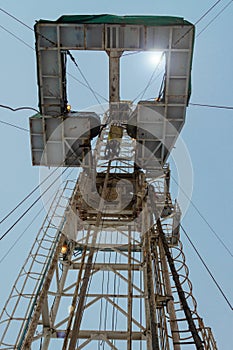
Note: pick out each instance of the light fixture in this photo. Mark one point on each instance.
(64, 248)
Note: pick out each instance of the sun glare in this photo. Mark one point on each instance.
(155, 57)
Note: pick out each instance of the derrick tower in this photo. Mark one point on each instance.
(107, 269)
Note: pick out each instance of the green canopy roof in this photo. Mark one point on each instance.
(113, 19)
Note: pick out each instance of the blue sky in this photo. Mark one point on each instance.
(207, 134)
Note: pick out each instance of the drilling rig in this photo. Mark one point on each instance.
(107, 268)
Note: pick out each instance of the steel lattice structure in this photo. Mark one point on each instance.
(107, 268)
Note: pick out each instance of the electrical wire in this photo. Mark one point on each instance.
(29, 225)
(36, 188)
(203, 218)
(16, 110)
(15, 18)
(206, 267)
(84, 78)
(21, 235)
(203, 105)
(16, 37)
(131, 53)
(198, 21)
(207, 12)
(83, 84)
(151, 79)
(213, 19)
(30, 207)
(13, 125)
(178, 40)
(211, 106)
(19, 108)
(28, 195)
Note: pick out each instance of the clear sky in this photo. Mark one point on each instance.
(207, 134)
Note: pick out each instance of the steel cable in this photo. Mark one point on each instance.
(206, 267)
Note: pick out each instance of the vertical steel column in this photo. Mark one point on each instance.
(114, 75)
(54, 308)
(170, 304)
(82, 297)
(130, 300)
(75, 297)
(144, 229)
(151, 315)
(151, 294)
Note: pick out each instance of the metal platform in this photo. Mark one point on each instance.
(64, 140)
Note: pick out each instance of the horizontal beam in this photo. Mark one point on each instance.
(96, 334)
(108, 267)
(113, 37)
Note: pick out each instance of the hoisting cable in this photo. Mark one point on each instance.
(206, 267)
